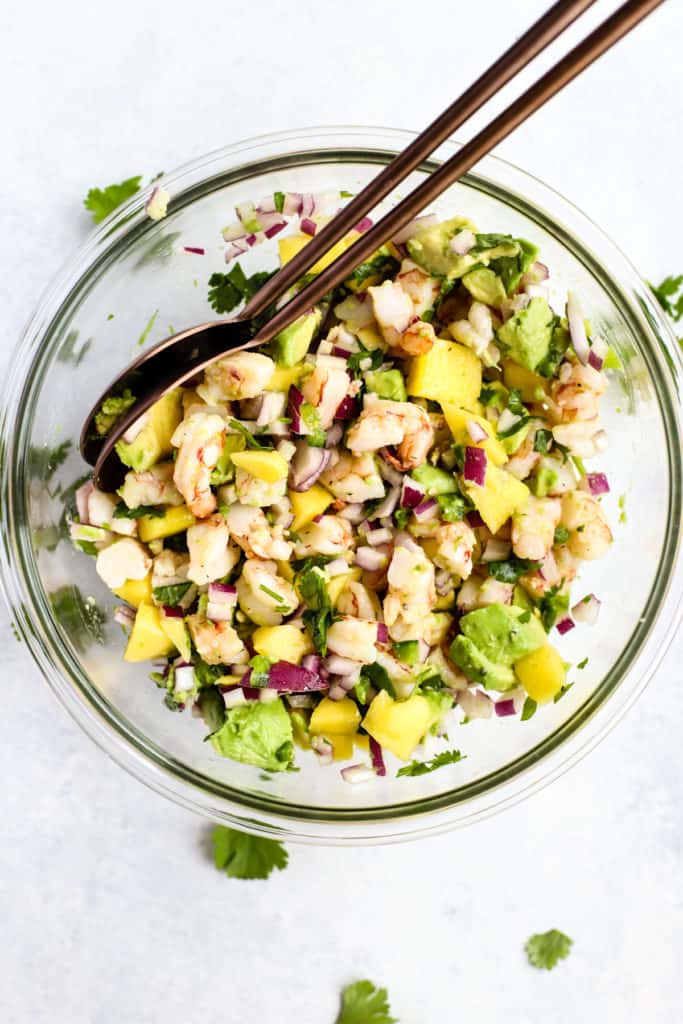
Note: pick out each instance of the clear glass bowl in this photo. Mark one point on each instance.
(87, 327)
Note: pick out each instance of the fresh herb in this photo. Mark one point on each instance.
(371, 358)
(561, 692)
(361, 691)
(510, 269)
(310, 416)
(543, 441)
(529, 709)
(452, 507)
(430, 680)
(378, 677)
(311, 584)
(424, 767)
(244, 856)
(226, 291)
(515, 403)
(407, 651)
(582, 664)
(205, 674)
(177, 542)
(44, 462)
(249, 438)
(172, 595)
(381, 267)
(148, 327)
(514, 428)
(401, 516)
(123, 512)
(364, 1003)
(111, 410)
(559, 343)
(525, 617)
(561, 535)
(212, 708)
(552, 605)
(546, 949)
(260, 670)
(459, 456)
(511, 569)
(80, 617)
(490, 396)
(669, 295)
(101, 201)
(279, 200)
(622, 508)
(346, 195)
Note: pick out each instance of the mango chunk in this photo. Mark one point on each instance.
(335, 717)
(530, 384)
(541, 673)
(147, 639)
(134, 592)
(449, 372)
(398, 726)
(153, 443)
(501, 495)
(177, 632)
(342, 746)
(282, 643)
(285, 570)
(306, 505)
(175, 519)
(268, 466)
(457, 420)
(338, 583)
(288, 248)
(284, 376)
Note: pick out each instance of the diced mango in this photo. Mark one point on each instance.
(153, 443)
(306, 505)
(501, 495)
(175, 519)
(177, 632)
(370, 337)
(147, 639)
(445, 602)
(285, 570)
(288, 248)
(136, 591)
(282, 643)
(526, 381)
(268, 466)
(541, 673)
(399, 725)
(338, 583)
(335, 717)
(449, 372)
(457, 420)
(342, 746)
(284, 376)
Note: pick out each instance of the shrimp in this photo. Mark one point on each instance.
(477, 332)
(263, 595)
(358, 601)
(422, 289)
(577, 391)
(125, 559)
(101, 508)
(401, 424)
(589, 532)
(411, 593)
(455, 548)
(245, 375)
(153, 487)
(583, 438)
(354, 639)
(525, 458)
(216, 642)
(325, 389)
(558, 567)
(212, 556)
(533, 527)
(478, 593)
(417, 339)
(393, 309)
(258, 493)
(353, 478)
(257, 538)
(200, 440)
(329, 535)
(170, 568)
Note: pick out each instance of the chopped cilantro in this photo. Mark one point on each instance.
(401, 516)
(346, 195)
(249, 438)
(378, 677)
(559, 343)
(546, 949)
(561, 692)
(424, 767)
(669, 295)
(148, 327)
(311, 584)
(490, 396)
(515, 403)
(529, 709)
(226, 291)
(101, 201)
(375, 270)
(511, 569)
(552, 605)
(244, 856)
(561, 535)
(111, 410)
(582, 664)
(543, 441)
(452, 507)
(364, 1003)
(515, 427)
(370, 358)
(260, 670)
(123, 512)
(171, 595)
(205, 674)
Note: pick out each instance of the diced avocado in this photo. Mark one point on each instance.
(485, 286)
(257, 733)
(284, 376)
(515, 441)
(543, 480)
(387, 384)
(435, 481)
(431, 249)
(153, 443)
(449, 372)
(503, 633)
(521, 599)
(111, 410)
(407, 651)
(480, 669)
(291, 345)
(527, 335)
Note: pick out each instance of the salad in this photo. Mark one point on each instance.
(338, 540)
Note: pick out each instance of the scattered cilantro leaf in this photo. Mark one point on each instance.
(511, 569)
(375, 270)
(378, 677)
(205, 674)
(452, 507)
(311, 584)
(561, 535)
(561, 692)
(552, 605)
(401, 516)
(559, 343)
(101, 201)
(543, 441)
(515, 403)
(123, 512)
(171, 595)
(545, 949)
(582, 664)
(364, 1003)
(529, 709)
(111, 410)
(244, 856)
(345, 195)
(226, 291)
(491, 396)
(148, 327)
(260, 670)
(424, 767)
(669, 295)
(515, 427)
(44, 462)
(373, 356)
(249, 438)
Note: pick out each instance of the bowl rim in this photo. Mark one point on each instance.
(526, 774)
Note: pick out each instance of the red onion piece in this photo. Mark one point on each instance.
(296, 399)
(272, 408)
(363, 225)
(476, 431)
(475, 703)
(251, 692)
(353, 513)
(370, 559)
(425, 221)
(340, 353)
(233, 232)
(312, 663)
(124, 615)
(235, 249)
(443, 582)
(323, 748)
(386, 508)
(299, 700)
(334, 435)
(504, 707)
(462, 242)
(172, 612)
(382, 633)
(309, 227)
(404, 540)
(292, 203)
(564, 625)
(246, 211)
(426, 511)
(267, 205)
(474, 520)
(339, 666)
(82, 495)
(356, 773)
(307, 465)
(222, 592)
(587, 610)
(346, 409)
(336, 692)
(507, 420)
(594, 360)
(183, 679)
(293, 678)
(577, 328)
(389, 473)
(307, 204)
(475, 466)
(275, 229)
(377, 757)
(195, 250)
(595, 483)
(412, 493)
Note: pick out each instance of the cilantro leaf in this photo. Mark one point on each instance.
(171, 595)
(249, 438)
(372, 357)
(244, 856)
(511, 569)
(552, 605)
(375, 270)
(101, 201)
(543, 441)
(111, 410)
(205, 674)
(311, 583)
(226, 291)
(546, 949)
(260, 670)
(424, 767)
(378, 677)
(452, 507)
(364, 1003)
(148, 327)
(123, 512)
(582, 663)
(665, 293)
(529, 709)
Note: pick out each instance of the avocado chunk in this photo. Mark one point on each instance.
(153, 443)
(387, 384)
(479, 668)
(485, 286)
(527, 335)
(543, 480)
(257, 733)
(503, 633)
(291, 345)
(435, 481)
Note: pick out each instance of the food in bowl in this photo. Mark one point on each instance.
(337, 539)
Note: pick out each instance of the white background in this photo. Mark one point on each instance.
(110, 910)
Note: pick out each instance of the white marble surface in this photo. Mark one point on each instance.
(109, 908)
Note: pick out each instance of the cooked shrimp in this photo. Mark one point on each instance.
(393, 309)
(577, 392)
(417, 339)
(216, 642)
(199, 440)
(557, 567)
(422, 289)
(123, 560)
(354, 639)
(212, 556)
(101, 507)
(329, 535)
(257, 538)
(264, 596)
(358, 601)
(244, 375)
(477, 331)
(525, 458)
(353, 478)
(393, 424)
(456, 543)
(533, 527)
(589, 532)
(258, 493)
(478, 593)
(325, 389)
(170, 567)
(583, 438)
(153, 487)
(411, 593)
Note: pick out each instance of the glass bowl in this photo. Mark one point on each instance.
(133, 279)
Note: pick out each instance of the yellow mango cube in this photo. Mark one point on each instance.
(399, 726)
(268, 466)
(501, 495)
(175, 519)
(457, 420)
(335, 717)
(284, 376)
(134, 592)
(288, 248)
(177, 632)
(285, 570)
(306, 505)
(147, 639)
(526, 381)
(342, 746)
(338, 583)
(282, 643)
(449, 372)
(541, 673)
(362, 741)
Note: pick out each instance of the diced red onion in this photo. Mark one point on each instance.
(233, 698)
(540, 271)
(426, 510)
(353, 513)
(172, 612)
(577, 328)
(370, 559)
(412, 493)
(565, 624)
(443, 582)
(293, 678)
(183, 679)
(267, 696)
(346, 410)
(462, 242)
(474, 520)
(307, 465)
(496, 550)
(124, 615)
(404, 540)
(312, 663)
(307, 204)
(234, 249)
(587, 610)
(377, 537)
(219, 612)
(475, 703)
(256, 239)
(233, 232)
(82, 495)
(272, 408)
(337, 567)
(296, 399)
(595, 483)
(292, 203)
(308, 226)
(594, 360)
(267, 205)
(389, 473)
(329, 362)
(339, 666)
(334, 435)
(363, 225)
(418, 224)
(505, 707)
(476, 431)
(386, 508)
(323, 748)
(275, 229)
(382, 633)
(336, 692)
(356, 773)
(251, 692)
(194, 250)
(377, 757)
(246, 211)
(475, 466)
(222, 592)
